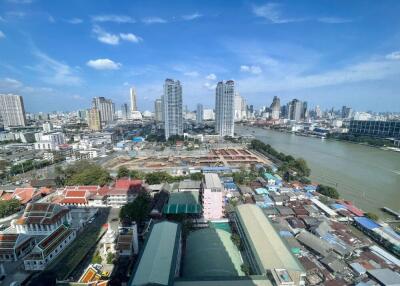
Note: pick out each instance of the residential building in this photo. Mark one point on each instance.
(239, 108)
(160, 260)
(47, 127)
(124, 111)
(172, 108)
(224, 108)
(158, 110)
(212, 198)
(127, 241)
(346, 112)
(385, 129)
(12, 110)
(94, 119)
(199, 114)
(106, 108)
(14, 246)
(275, 108)
(133, 99)
(296, 110)
(208, 114)
(49, 141)
(124, 192)
(42, 218)
(49, 248)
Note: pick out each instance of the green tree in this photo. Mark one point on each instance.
(372, 216)
(245, 269)
(196, 176)
(96, 259)
(110, 258)
(138, 210)
(86, 173)
(123, 172)
(328, 191)
(135, 174)
(9, 207)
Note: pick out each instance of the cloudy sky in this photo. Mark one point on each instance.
(60, 54)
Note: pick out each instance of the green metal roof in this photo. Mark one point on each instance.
(211, 252)
(183, 202)
(158, 260)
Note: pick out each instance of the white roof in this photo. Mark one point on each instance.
(212, 181)
(323, 207)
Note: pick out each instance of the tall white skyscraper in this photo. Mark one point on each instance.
(12, 111)
(106, 108)
(158, 110)
(199, 114)
(172, 108)
(224, 108)
(240, 107)
(133, 99)
(275, 108)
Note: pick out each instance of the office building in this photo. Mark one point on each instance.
(385, 129)
(296, 110)
(172, 108)
(94, 119)
(12, 111)
(346, 112)
(158, 113)
(106, 108)
(132, 92)
(224, 108)
(240, 108)
(208, 114)
(49, 141)
(199, 114)
(124, 111)
(275, 108)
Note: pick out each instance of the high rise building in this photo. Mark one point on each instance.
(275, 108)
(124, 111)
(158, 113)
(318, 112)
(295, 110)
(224, 108)
(12, 111)
(240, 108)
(199, 114)
(133, 99)
(346, 112)
(106, 108)
(94, 119)
(172, 108)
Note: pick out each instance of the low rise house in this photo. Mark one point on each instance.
(123, 192)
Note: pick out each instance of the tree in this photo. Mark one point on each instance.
(237, 241)
(86, 173)
(138, 210)
(123, 172)
(9, 207)
(110, 258)
(196, 176)
(96, 258)
(328, 191)
(372, 216)
(245, 269)
(135, 174)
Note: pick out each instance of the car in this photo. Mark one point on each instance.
(98, 266)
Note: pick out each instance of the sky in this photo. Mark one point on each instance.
(60, 54)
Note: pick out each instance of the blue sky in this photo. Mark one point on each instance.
(60, 54)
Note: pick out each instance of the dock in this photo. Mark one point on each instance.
(392, 212)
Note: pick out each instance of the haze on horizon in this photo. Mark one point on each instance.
(60, 54)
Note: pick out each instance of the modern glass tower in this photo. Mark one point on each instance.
(224, 108)
(12, 111)
(172, 108)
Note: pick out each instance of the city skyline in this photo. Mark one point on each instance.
(338, 62)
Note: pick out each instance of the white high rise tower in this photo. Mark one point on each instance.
(172, 108)
(133, 99)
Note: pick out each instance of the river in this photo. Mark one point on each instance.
(368, 176)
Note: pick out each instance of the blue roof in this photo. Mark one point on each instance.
(310, 188)
(138, 139)
(230, 185)
(269, 176)
(366, 222)
(215, 169)
(285, 233)
(260, 191)
(337, 206)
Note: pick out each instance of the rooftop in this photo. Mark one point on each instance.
(212, 181)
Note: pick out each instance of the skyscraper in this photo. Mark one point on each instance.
(296, 110)
(199, 114)
(172, 108)
(133, 99)
(275, 108)
(106, 108)
(158, 114)
(240, 107)
(346, 112)
(12, 111)
(124, 111)
(224, 108)
(94, 119)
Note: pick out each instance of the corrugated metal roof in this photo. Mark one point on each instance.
(265, 241)
(157, 262)
(212, 181)
(366, 222)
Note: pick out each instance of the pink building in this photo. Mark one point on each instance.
(212, 197)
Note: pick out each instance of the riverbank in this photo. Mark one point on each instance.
(370, 177)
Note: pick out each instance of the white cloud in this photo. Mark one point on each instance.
(192, 73)
(211, 76)
(154, 20)
(272, 13)
(210, 86)
(77, 97)
(251, 69)
(191, 16)
(51, 19)
(334, 20)
(105, 37)
(130, 37)
(9, 83)
(103, 64)
(55, 72)
(74, 21)
(393, 56)
(2, 35)
(113, 18)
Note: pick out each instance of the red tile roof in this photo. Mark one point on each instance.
(73, 201)
(75, 194)
(42, 213)
(127, 183)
